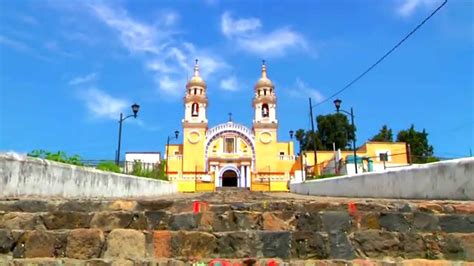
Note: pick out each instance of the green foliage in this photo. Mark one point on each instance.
(59, 156)
(385, 134)
(156, 173)
(332, 128)
(109, 166)
(328, 175)
(421, 150)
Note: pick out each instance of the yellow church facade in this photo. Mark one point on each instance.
(230, 154)
(234, 155)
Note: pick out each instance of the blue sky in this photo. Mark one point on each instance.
(68, 68)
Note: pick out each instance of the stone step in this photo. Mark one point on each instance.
(215, 203)
(184, 245)
(233, 220)
(230, 262)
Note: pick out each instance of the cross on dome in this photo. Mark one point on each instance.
(196, 68)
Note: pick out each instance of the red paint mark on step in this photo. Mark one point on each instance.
(272, 263)
(196, 206)
(351, 207)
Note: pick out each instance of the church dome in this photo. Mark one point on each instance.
(264, 81)
(196, 80)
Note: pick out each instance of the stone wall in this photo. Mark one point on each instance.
(22, 176)
(144, 232)
(452, 179)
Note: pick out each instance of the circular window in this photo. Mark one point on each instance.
(194, 137)
(265, 137)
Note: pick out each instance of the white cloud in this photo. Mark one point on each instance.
(168, 59)
(21, 47)
(17, 45)
(170, 85)
(243, 26)
(170, 18)
(229, 84)
(275, 43)
(136, 36)
(247, 34)
(301, 89)
(83, 79)
(408, 7)
(102, 105)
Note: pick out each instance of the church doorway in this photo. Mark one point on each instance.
(229, 178)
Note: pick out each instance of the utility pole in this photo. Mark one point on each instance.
(316, 169)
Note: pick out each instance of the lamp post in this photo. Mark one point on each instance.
(337, 103)
(135, 108)
(316, 168)
(176, 133)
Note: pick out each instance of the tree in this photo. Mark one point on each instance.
(421, 150)
(300, 136)
(334, 128)
(385, 134)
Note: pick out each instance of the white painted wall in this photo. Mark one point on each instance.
(453, 179)
(22, 176)
(144, 157)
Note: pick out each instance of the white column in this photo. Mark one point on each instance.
(249, 178)
(216, 177)
(242, 176)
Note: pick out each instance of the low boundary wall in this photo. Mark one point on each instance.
(453, 179)
(22, 176)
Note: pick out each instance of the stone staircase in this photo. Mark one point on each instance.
(236, 228)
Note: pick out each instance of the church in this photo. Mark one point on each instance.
(233, 155)
(230, 154)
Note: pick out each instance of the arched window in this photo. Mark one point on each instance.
(195, 91)
(265, 110)
(195, 109)
(264, 91)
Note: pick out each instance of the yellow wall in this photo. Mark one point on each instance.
(279, 186)
(397, 149)
(186, 185)
(193, 152)
(369, 149)
(266, 150)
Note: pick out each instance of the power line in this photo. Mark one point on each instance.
(384, 56)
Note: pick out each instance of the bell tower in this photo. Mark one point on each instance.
(265, 123)
(195, 100)
(194, 125)
(264, 102)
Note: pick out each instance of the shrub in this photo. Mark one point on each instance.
(156, 173)
(108, 166)
(59, 156)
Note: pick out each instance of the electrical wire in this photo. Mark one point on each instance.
(384, 56)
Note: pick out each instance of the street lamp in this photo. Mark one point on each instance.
(176, 133)
(135, 108)
(337, 103)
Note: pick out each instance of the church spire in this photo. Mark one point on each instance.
(196, 80)
(196, 69)
(264, 69)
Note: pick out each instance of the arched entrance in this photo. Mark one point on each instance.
(229, 178)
